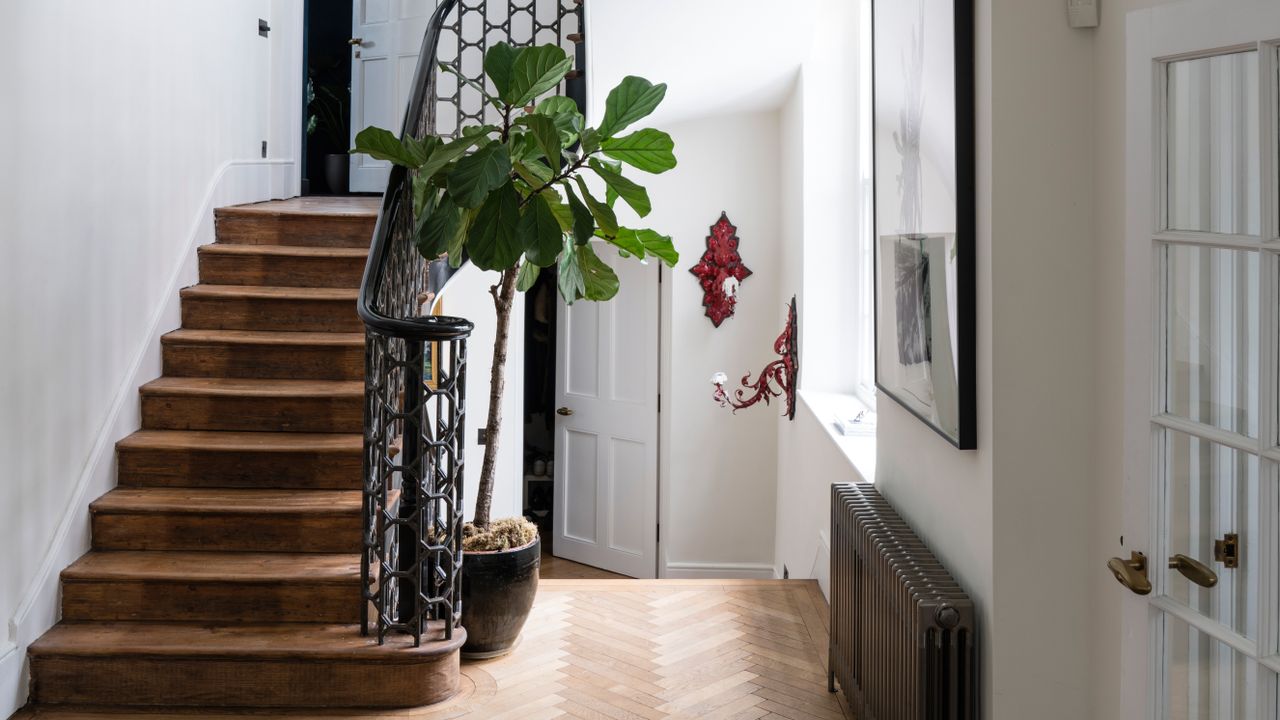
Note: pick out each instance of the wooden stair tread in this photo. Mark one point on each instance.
(227, 441)
(226, 567)
(349, 206)
(253, 387)
(284, 251)
(269, 292)
(285, 641)
(263, 337)
(245, 501)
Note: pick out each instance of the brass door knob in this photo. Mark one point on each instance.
(356, 42)
(1131, 573)
(1194, 570)
(566, 412)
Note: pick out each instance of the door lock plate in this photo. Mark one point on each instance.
(1227, 550)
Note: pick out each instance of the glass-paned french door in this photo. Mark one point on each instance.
(1215, 451)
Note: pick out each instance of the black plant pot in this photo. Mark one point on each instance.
(497, 594)
(337, 172)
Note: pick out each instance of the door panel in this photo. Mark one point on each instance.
(1201, 361)
(606, 485)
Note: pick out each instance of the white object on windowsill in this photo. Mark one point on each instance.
(862, 422)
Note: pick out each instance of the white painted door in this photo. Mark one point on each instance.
(1201, 453)
(606, 455)
(386, 36)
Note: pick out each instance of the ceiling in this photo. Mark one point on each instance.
(717, 57)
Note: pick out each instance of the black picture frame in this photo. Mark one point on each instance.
(949, 408)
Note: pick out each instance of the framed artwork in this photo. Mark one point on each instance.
(923, 147)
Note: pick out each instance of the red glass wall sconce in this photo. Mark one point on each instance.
(720, 271)
(778, 379)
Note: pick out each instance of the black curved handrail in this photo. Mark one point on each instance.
(427, 328)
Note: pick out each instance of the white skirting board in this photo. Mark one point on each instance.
(719, 571)
(235, 182)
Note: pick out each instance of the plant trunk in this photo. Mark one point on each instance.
(503, 298)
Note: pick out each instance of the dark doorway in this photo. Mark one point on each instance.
(327, 101)
(540, 308)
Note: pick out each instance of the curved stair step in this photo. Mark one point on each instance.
(200, 458)
(281, 665)
(212, 587)
(318, 521)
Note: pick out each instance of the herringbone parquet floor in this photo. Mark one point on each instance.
(643, 650)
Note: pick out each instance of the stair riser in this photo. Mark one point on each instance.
(143, 681)
(270, 314)
(225, 360)
(230, 532)
(272, 414)
(327, 231)
(120, 600)
(239, 469)
(216, 269)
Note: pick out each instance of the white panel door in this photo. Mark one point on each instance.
(386, 36)
(606, 456)
(1202, 452)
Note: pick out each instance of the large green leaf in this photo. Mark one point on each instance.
(584, 223)
(423, 196)
(603, 214)
(540, 232)
(648, 150)
(459, 240)
(380, 144)
(498, 63)
(493, 241)
(563, 214)
(599, 280)
(634, 195)
(479, 174)
(545, 134)
(632, 100)
(447, 153)
(566, 116)
(442, 227)
(422, 149)
(535, 71)
(569, 278)
(626, 241)
(534, 172)
(527, 277)
(653, 243)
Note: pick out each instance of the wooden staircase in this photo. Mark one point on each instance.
(225, 568)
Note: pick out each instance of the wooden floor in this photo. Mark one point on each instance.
(642, 649)
(554, 568)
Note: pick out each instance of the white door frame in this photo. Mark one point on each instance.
(1155, 36)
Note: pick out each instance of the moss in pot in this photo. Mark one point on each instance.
(512, 198)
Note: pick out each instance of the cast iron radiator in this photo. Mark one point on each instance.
(902, 640)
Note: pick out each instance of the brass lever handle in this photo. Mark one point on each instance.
(564, 411)
(1131, 573)
(356, 42)
(1194, 570)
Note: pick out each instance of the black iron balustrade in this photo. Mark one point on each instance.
(415, 362)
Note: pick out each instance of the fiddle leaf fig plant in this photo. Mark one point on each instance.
(513, 196)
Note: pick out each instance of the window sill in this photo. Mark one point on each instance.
(860, 449)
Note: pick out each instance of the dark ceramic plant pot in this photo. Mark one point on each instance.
(337, 173)
(497, 594)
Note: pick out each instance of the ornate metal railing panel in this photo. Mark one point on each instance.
(416, 362)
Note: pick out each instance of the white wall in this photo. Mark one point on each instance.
(127, 123)
(716, 468)
(467, 295)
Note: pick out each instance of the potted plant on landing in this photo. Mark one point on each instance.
(512, 198)
(328, 105)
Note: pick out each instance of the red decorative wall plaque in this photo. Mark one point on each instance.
(720, 271)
